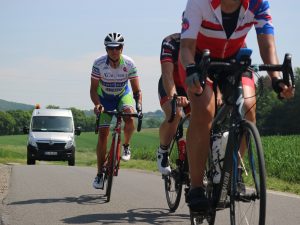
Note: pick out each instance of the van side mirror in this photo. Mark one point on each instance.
(25, 130)
(77, 131)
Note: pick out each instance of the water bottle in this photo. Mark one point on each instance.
(182, 148)
(219, 142)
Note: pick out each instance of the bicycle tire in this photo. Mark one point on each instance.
(111, 167)
(173, 182)
(248, 204)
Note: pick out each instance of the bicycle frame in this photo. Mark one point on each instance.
(179, 131)
(112, 160)
(115, 148)
(233, 105)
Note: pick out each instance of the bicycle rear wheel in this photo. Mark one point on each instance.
(248, 203)
(111, 166)
(173, 182)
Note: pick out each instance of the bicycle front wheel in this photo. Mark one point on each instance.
(248, 199)
(173, 181)
(111, 166)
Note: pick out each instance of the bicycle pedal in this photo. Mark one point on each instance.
(223, 205)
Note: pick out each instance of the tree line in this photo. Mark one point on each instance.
(13, 121)
(273, 115)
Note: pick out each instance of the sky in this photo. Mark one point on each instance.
(47, 48)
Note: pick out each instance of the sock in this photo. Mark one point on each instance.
(163, 148)
(125, 145)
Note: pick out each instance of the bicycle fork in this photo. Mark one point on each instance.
(114, 153)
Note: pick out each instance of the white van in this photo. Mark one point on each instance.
(51, 136)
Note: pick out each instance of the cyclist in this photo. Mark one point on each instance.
(220, 26)
(109, 89)
(169, 84)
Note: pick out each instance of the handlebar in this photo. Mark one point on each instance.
(236, 67)
(286, 69)
(138, 115)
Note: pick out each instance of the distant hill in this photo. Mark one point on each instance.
(6, 105)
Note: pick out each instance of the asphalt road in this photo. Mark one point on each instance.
(55, 195)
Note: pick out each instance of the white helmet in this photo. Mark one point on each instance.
(114, 40)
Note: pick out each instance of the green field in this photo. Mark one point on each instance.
(282, 155)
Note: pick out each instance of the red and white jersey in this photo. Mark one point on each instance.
(203, 21)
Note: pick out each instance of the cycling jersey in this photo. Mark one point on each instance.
(113, 82)
(203, 21)
(113, 90)
(169, 53)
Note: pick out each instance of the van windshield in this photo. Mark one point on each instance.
(52, 124)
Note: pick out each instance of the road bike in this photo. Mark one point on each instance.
(112, 159)
(178, 161)
(242, 185)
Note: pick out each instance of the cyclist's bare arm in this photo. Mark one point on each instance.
(94, 95)
(187, 54)
(187, 49)
(167, 69)
(135, 85)
(268, 54)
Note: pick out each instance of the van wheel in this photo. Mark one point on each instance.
(71, 161)
(30, 159)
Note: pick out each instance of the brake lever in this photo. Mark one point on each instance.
(140, 120)
(97, 123)
(287, 71)
(173, 108)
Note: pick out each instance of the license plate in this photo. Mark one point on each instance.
(50, 153)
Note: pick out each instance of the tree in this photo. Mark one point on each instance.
(79, 118)
(90, 123)
(266, 100)
(276, 116)
(7, 123)
(153, 123)
(22, 118)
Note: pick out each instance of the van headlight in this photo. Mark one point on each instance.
(69, 144)
(32, 142)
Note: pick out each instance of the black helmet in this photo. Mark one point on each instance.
(114, 40)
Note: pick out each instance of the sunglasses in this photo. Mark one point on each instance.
(112, 48)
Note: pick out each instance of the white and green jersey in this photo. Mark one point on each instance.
(113, 82)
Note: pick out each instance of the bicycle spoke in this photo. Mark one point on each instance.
(248, 204)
